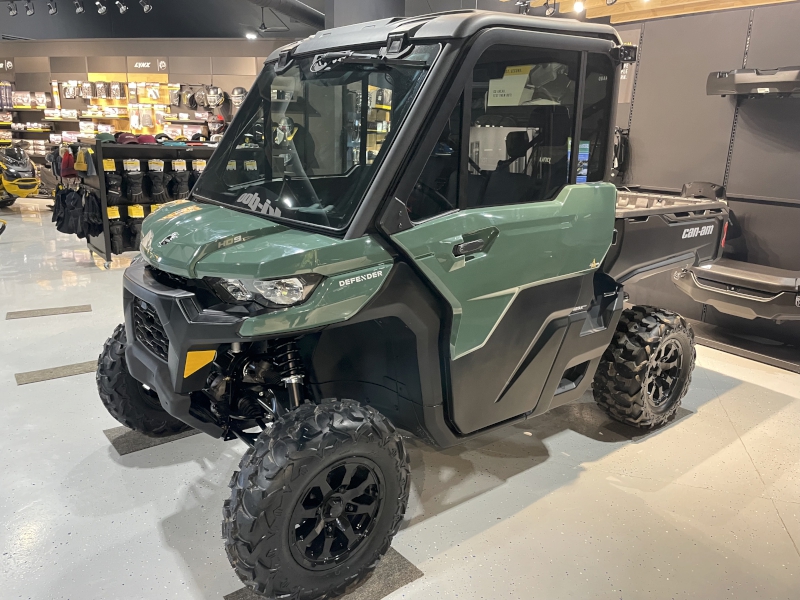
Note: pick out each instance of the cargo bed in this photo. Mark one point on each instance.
(659, 232)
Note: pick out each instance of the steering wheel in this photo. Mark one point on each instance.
(438, 198)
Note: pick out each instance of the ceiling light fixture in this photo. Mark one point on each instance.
(524, 6)
(52, 7)
(147, 7)
(251, 36)
(549, 9)
(12, 9)
(610, 2)
(29, 8)
(78, 7)
(101, 8)
(123, 8)
(577, 7)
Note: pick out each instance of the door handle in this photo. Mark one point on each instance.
(468, 247)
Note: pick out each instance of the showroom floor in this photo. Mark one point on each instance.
(571, 505)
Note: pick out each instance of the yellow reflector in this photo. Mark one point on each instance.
(196, 360)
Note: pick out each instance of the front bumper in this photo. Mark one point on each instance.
(181, 327)
(21, 187)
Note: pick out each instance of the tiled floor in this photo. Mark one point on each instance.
(571, 505)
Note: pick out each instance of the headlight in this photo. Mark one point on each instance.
(271, 292)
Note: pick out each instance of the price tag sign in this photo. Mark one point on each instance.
(231, 165)
(135, 211)
(199, 165)
(113, 212)
(179, 165)
(250, 165)
(109, 164)
(131, 164)
(155, 164)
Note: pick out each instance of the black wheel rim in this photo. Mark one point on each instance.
(335, 514)
(664, 373)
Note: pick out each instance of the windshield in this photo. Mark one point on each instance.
(306, 142)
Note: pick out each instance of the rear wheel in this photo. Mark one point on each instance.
(317, 501)
(128, 401)
(647, 369)
(7, 201)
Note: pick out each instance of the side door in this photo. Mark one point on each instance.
(500, 227)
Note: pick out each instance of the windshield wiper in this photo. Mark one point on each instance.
(336, 60)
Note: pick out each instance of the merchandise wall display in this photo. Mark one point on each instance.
(424, 225)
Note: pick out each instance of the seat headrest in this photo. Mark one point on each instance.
(517, 144)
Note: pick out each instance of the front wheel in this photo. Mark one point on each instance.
(317, 501)
(128, 401)
(647, 369)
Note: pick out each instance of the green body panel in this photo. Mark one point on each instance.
(220, 242)
(213, 241)
(336, 299)
(527, 245)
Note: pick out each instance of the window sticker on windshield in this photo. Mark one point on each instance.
(254, 202)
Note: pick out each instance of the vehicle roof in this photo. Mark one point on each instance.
(455, 24)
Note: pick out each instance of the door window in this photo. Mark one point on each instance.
(522, 116)
(436, 190)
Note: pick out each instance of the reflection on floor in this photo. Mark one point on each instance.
(571, 505)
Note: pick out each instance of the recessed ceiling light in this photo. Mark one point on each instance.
(577, 7)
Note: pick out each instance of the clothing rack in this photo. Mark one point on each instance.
(101, 245)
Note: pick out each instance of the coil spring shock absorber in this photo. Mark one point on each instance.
(287, 359)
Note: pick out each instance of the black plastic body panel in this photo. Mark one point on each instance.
(651, 243)
(166, 378)
(457, 24)
(388, 355)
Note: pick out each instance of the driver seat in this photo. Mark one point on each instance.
(505, 187)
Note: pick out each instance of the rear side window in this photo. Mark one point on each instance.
(522, 115)
(597, 111)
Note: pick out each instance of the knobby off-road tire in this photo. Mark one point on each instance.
(647, 369)
(319, 461)
(126, 399)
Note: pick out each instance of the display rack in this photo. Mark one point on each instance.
(101, 245)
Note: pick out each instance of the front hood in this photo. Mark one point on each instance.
(198, 240)
(180, 234)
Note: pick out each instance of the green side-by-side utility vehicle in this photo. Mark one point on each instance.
(406, 225)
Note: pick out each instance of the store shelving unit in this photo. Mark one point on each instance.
(101, 245)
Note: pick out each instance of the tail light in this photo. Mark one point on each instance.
(724, 234)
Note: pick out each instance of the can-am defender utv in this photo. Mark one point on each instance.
(406, 225)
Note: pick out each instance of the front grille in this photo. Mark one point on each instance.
(170, 279)
(149, 330)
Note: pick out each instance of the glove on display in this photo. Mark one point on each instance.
(113, 189)
(158, 193)
(134, 186)
(134, 233)
(180, 185)
(117, 230)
